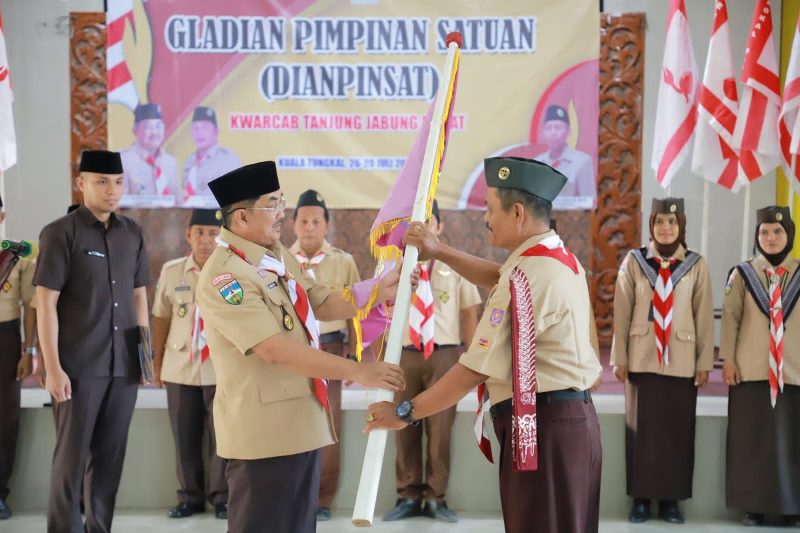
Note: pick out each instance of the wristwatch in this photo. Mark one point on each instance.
(403, 411)
(31, 351)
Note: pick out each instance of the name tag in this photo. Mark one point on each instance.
(95, 253)
(182, 288)
(272, 285)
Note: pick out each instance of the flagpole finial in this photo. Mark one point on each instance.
(454, 37)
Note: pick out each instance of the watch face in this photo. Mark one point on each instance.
(403, 409)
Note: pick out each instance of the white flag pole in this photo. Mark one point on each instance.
(364, 509)
(5, 202)
(704, 228)
(746, 224)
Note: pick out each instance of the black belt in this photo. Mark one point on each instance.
(504, 407)
(435, 347)
(330, 338)
(10, 325)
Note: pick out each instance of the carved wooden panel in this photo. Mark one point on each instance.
(88, 94)
(616, 226)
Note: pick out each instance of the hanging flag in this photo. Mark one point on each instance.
(676, 115)
(8, 139)
(789, 120)
(121, 89)
(756, 133)
(717, 105)
(386, 235)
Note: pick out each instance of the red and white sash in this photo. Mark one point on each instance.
(162, 186)
(662, 309)
(199, 344)
(774, 276)
(421, 329)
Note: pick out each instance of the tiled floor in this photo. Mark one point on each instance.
(156, 522)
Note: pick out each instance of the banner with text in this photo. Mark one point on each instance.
(334, 92)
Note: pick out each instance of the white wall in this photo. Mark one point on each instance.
(37, 188)
(726, 209)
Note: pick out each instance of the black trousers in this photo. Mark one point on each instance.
(191, 416)
(91, 438)
(10, 351)
(275, 495)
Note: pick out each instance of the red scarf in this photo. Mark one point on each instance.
(774, 276)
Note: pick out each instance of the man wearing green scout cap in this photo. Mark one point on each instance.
(183, 366)
(533, 353)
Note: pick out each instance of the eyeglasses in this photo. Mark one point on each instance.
(277, 208)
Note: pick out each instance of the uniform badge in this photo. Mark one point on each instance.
(484, 343)
(664, 263)
(504, 173)
(218, 215)
(262, 272)
(182, 311)
(222, 277)
(232, 292)
(288, 321)
(272, 285)
(778, 216)
(673, 208)
(729, 284)
(496, 316)
(444, 297)
(7, 286)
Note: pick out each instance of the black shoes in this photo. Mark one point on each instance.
(404, 508)
(669, 512)
(5, 510)
(753, 519)
(439, 511)
(221, 511)
(323, 514)
(640, 511)
(186, 509)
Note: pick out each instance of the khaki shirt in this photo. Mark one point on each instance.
(451, 295)
(260, 410)
(691, 343)
(174, 301)
(218, 161)
(337, 271)
(745, 336)
(565, 357)
(16, 290)
(578, 167)
(140, 176)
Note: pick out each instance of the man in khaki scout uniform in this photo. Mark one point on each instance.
(149, 169)
(445, 324)
(15, 364)
(533, 352)
(182, 363)
(663, 293)
(208, 161)
(760, 347)
(336, 270)
(271, 410)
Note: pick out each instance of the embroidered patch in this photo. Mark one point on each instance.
(484, 343)
(222, 277)
(232, 292)
(729, 284)
(272, 285)
(496, 316)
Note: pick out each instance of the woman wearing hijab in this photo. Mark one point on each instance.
(663, 350)
(760, 346)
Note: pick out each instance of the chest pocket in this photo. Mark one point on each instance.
(180, 329)
(281, 307)
(445, 290)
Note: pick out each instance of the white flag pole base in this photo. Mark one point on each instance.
(746, 223)
(704, 227)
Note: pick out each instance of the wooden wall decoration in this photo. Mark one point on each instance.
(615, 224)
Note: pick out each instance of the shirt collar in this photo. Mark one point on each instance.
(190, 264)
(327, 249)
(252, 251)
(531, 241)
(88, 217)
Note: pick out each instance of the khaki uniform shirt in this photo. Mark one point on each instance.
(140, 176)
(578, 167)
(260, 410)
(337, 271)
(565, 357)
(745, 336)
(174, 301)
(691, 343)
(451, 295)
(17, 289)
(217, 161)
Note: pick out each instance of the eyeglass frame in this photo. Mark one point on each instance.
(280, 206)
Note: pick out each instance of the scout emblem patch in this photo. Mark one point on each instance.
(222, 277)
(288, 321)
(6, 286)
(496, 316)
(444, 297)
(182, 311)
(729, 284)
(232, 292)
(484, 343)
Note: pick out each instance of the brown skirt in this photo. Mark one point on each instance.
(763, 461)
(659, 436)
(563, 495)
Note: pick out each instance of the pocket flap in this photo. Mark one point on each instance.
(639, 330)
(684, 335)
(285, 390)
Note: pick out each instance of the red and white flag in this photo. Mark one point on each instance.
(8, 140)
(717, 106)
(789, 121)
(677, 94)
(756, 133)
(121, 89)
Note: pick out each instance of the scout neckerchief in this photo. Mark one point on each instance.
(308, 263)
(481, 433)
(161, 180)
(420, 321)
(191, 179)
(199, 345)
(301, 306)
(789, 291)
(663, 282)
(775, 276)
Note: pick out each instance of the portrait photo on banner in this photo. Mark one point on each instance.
(335, 92)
